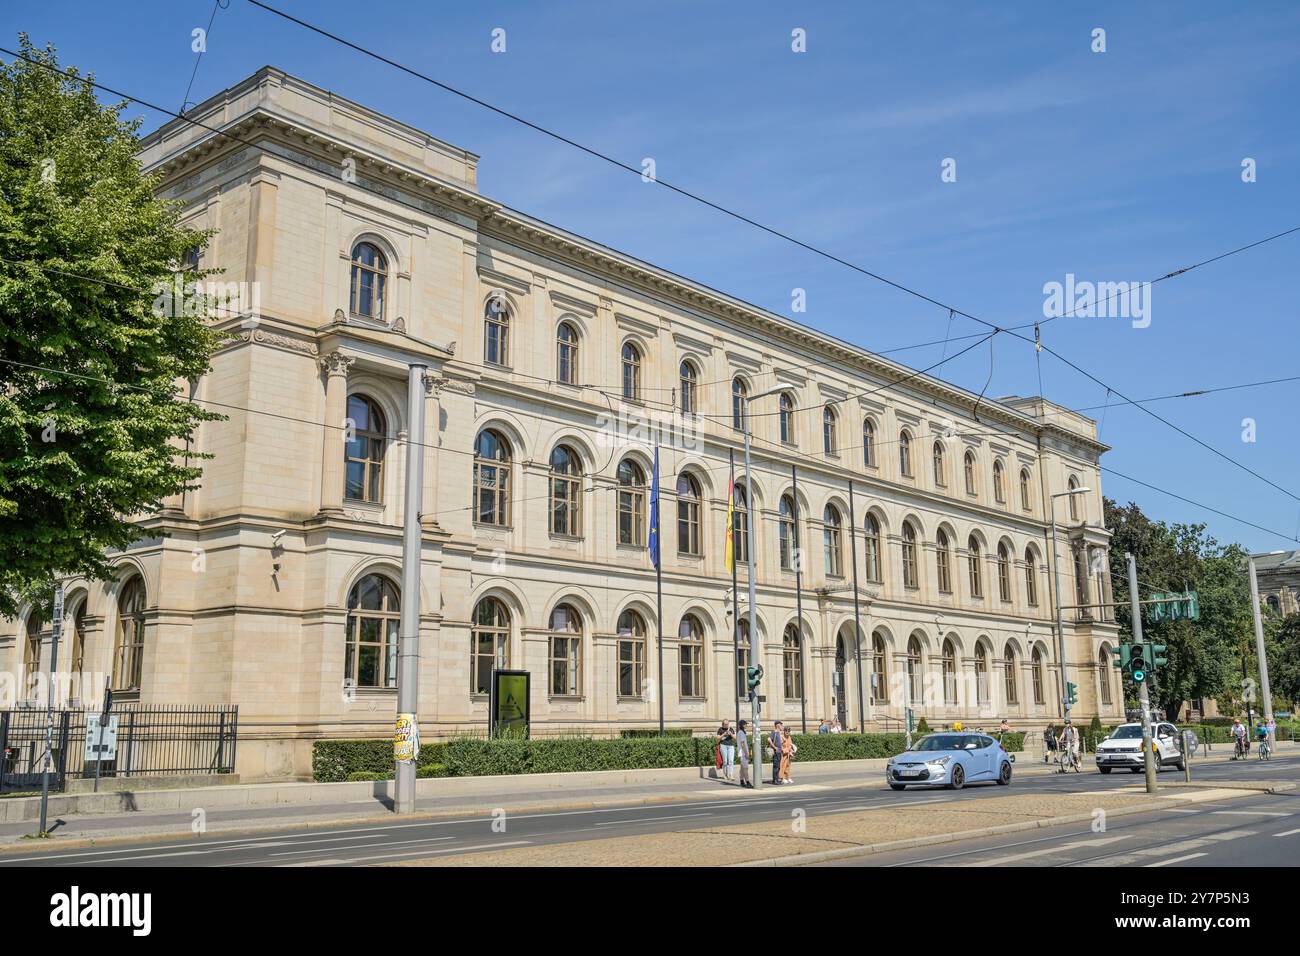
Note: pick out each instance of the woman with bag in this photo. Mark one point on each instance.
(788, 750)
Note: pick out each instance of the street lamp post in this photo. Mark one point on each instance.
(754, 642)
(1056, 585)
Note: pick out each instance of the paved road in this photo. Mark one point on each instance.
(362, 844)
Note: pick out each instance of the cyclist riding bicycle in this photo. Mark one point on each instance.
(1261, 735)
(1070, 748)
(1242, 745)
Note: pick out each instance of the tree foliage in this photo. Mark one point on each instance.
(91, 420)
(1204, 656)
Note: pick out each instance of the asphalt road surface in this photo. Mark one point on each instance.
(1245, 831)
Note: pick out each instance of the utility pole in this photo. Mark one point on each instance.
(797, 555)
(857, 622)
(49, 708)
(1260, 653)
(1144, 696)
(408, 641)
(1056, 583)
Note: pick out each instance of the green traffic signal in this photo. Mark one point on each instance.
(752, 677)
(1071, 693)
(1158, 658)
(1121, 656)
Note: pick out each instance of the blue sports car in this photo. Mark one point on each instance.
(950, 760)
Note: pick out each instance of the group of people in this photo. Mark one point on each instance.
(1242, 739)
(733, 743)
(1067, 741)
(830, 725)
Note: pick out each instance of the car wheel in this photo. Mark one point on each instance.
(1180, 765)
(1105, 769)
(958, 778)
(1004, 775)
(1134, 769)
(898, 786)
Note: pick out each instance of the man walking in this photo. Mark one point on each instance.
(777, 741)
(742, 741)
(727, 744)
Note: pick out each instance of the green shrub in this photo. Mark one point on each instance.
(653, 732)
(922, 727)
(333, 761)
(357, 776)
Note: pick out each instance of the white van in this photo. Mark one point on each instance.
(1123, 748)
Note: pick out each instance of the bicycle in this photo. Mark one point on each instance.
(1242, 749)
(1067, 758)
(1265, 751)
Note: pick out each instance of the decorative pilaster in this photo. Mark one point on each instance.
(335, 369)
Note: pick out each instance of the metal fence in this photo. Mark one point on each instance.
(150, 740)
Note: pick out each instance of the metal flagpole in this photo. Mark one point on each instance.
(659, 585)
(798, 602)
(857, 621)
(735, 606)
(49, 708)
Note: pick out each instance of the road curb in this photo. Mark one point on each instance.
(870, 849)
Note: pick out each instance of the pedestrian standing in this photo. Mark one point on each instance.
(788, 750)
(824, 727)
(727, 744)
(742, 744)
(835, 726)
(777, 741)
(1049, 743)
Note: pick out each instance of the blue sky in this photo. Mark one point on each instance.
(1115, 166)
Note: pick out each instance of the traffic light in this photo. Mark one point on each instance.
(1158, 658)
(1137, 662)
(753, 675)
(1071, 693)
(1121, 656)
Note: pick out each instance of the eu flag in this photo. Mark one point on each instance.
(654, 512)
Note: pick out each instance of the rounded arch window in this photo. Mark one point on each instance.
(832, 534)
(566, 651)
(364, 451)
(786, 530)
(914, 671)
(1103, 674)
(631, 371)
(688, 516)
(1073, 499)
(868, 443)
(973, 565)
(566, 353)
(489, 643)
(496, 332)
(374, 615)
(566, 492)
(1031, 581)
(740, 524)
(690, 650)
(981, 673)
(905, 453)
(871, 542)
(689, 379)
(128, 653)
(631, 654)
(999, 486)
(787, 418)
(1009, 676)
(791, 663)
(631, 503)
(948, 666)
(943, 561)
(739, 391)
(940, 469)
(32, 654)
(1026, 490)
(491, 478)
(1037, 676)
(369, 281)
(911, 574)
(879, 670)
(830, 438)
(968, 470)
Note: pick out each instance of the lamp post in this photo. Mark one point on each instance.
(754, 643)
(1056, 585)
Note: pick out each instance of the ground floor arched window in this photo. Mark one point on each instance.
(374, 615)
(489, 643)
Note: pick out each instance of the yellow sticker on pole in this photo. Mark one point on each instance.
(406, 738)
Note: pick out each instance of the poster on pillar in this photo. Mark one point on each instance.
(510, 713)
(406, 738)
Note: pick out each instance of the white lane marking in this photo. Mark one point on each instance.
(1100, 841)
(1287, 833)
(1177, 810)
(848, 809)
(152, 856)
(1177, 859)
(1252, 813)
(679, 816)
(363, 846)
(451, 849)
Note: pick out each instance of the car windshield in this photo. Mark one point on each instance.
(1127, 733)
(939, 742)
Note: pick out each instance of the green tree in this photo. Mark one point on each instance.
(92, 426)
(1204, 656)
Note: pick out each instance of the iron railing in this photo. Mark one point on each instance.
(153, 739)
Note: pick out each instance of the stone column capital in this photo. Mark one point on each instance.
(336, 364)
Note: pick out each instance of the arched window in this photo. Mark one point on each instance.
(973, 566)
(688, 516)
(830, 440)
(1273, 602)
(369, 276)
(1009, 677)
(689, 380)
(905, 453)
(914, 672)
(738, 393)
(1031, 579)
(1103, 675)
(791, 666)
(1004, 573)
(787, 419)
(1026, 491)
(981, 674)
(631, 503)
(879, 671)
(566, 651)
(128, 655)
(32, 655)
(496, 332)
(948, 666)
(566, 492)
(940, 466)
(911, 574)
(740, 525)
(868, 443)
(491, 479)
(999, 486)
(566, 354)
(489, 643)
(742, 655)
(968, 467)
(871, 535)
(1072, 484)
(943, 562)
(832, 541)
(364, 451)
(1036, 674)
(631, 654)
(786, 532)
(374, 614)
(79, 639)
(690, 651)
(631, 372)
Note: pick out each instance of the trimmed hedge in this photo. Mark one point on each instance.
(653, 732)
(335, 760)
